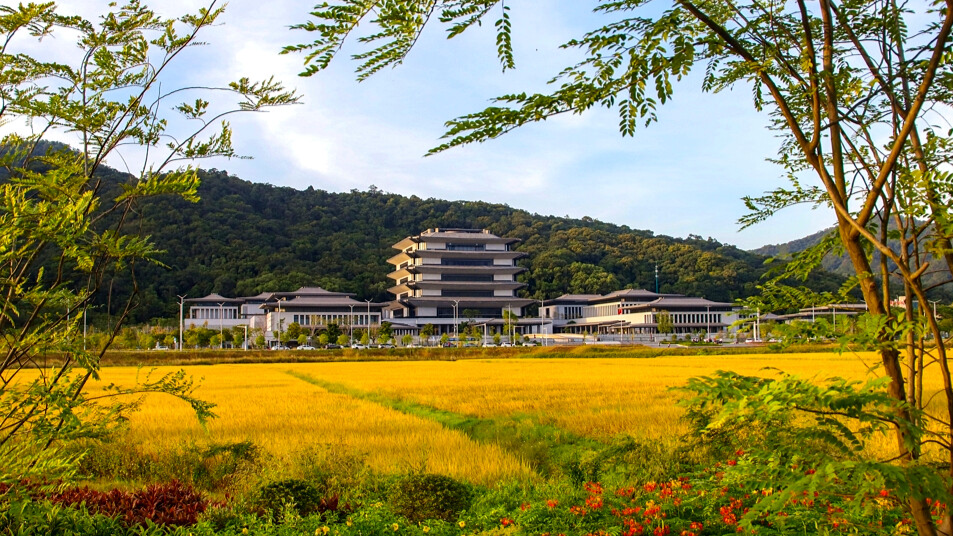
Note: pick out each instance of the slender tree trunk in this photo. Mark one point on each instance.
(892, 364)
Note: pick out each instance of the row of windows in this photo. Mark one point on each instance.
(466, 247)
(465, 262)
(478, 312)
(692, 318)
(339, 319)
(472, 278)
(466, 293)
(213, 313)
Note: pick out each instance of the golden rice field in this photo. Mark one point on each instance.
(287, 417)
(598, 398)
(595, 397)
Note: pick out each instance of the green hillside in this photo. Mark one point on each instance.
(243, 238)
(937, 281)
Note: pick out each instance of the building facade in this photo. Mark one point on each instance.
(444, 276)
(634, 314)
(313, 308)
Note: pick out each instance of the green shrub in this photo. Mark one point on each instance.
(274, 497)
(421, 497)
(42, 517)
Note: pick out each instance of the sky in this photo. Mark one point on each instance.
(684, 175)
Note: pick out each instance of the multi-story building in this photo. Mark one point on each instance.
(214, 311)
(313, 308)
(633, 314)
(443, 276)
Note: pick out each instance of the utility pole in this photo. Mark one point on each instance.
(656, 278)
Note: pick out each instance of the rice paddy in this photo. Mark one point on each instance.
(273, 406)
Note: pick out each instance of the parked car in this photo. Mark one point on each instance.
(386, 346)
(306, 347)
(358, 347)
(161, 347)
(332, 346)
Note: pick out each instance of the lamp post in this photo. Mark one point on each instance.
(350, 327)
(278, 319)
(510, 333)
(181, 323)
(456, 326)
(541, 323)
(707, 322)
(369, 341)
(757, 324)
(221, 326)
(245, 341)
(934, 309)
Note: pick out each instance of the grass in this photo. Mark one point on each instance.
(210, 357)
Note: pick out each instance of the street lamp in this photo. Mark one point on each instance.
(757, 321)
(181, 323)
(278, 319)
(934, 310)
(350, 327)
(368, 321)
(221, 326)
(245, 341)
(541, 324)
(707, 322)
(456, 326)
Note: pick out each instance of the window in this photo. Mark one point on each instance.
(474, 278)
(466, 262)
(466, 247)
(467, 293)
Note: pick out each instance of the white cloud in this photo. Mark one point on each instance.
(683, 175)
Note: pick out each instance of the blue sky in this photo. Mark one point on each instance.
(684, 175)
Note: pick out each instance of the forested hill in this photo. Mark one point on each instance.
(937, 281)
(243, 238)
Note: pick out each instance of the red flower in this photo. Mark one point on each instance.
(594, 502)
(551, 503)
(506, 522)
(594, 488)
(525, 506)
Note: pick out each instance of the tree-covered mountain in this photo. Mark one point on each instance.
(937, 283)
(243, 238)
